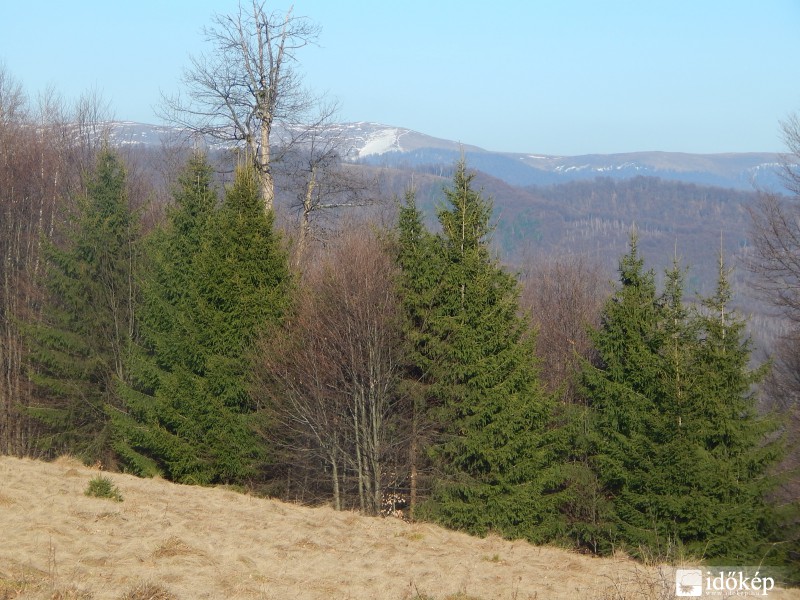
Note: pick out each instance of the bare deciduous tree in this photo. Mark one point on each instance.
(775, 264)
(564, 296)
(775, 233)
(246, 83)
(329, 376)
(45, 150)
(322, 182)
(34, 152)
(12, 99)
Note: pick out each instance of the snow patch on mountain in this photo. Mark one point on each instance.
(380, 142)
(600, 168)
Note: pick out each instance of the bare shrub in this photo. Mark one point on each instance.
(564, 297)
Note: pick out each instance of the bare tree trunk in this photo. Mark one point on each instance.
(337, 496)
(358, 432)
(305, 217)
(412, 457)
(265, 167)
(376, 424)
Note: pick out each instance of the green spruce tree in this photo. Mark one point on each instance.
(145, 445)
(622, 392)
(735, 443)
(475, 354)
(80, 350)
(419, 275)
(677, 443)
(220, 277)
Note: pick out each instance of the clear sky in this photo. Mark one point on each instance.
(552, 77)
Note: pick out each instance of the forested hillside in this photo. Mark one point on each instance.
(326, 333)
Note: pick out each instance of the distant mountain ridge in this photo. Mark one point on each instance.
(384, 145)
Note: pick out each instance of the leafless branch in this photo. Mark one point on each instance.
(247, 82)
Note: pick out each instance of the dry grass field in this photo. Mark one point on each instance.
(167, 542)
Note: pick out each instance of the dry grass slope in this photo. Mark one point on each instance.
(172, 542)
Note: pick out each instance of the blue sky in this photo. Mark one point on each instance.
(552, 77)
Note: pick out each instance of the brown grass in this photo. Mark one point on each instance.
(172, 542)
